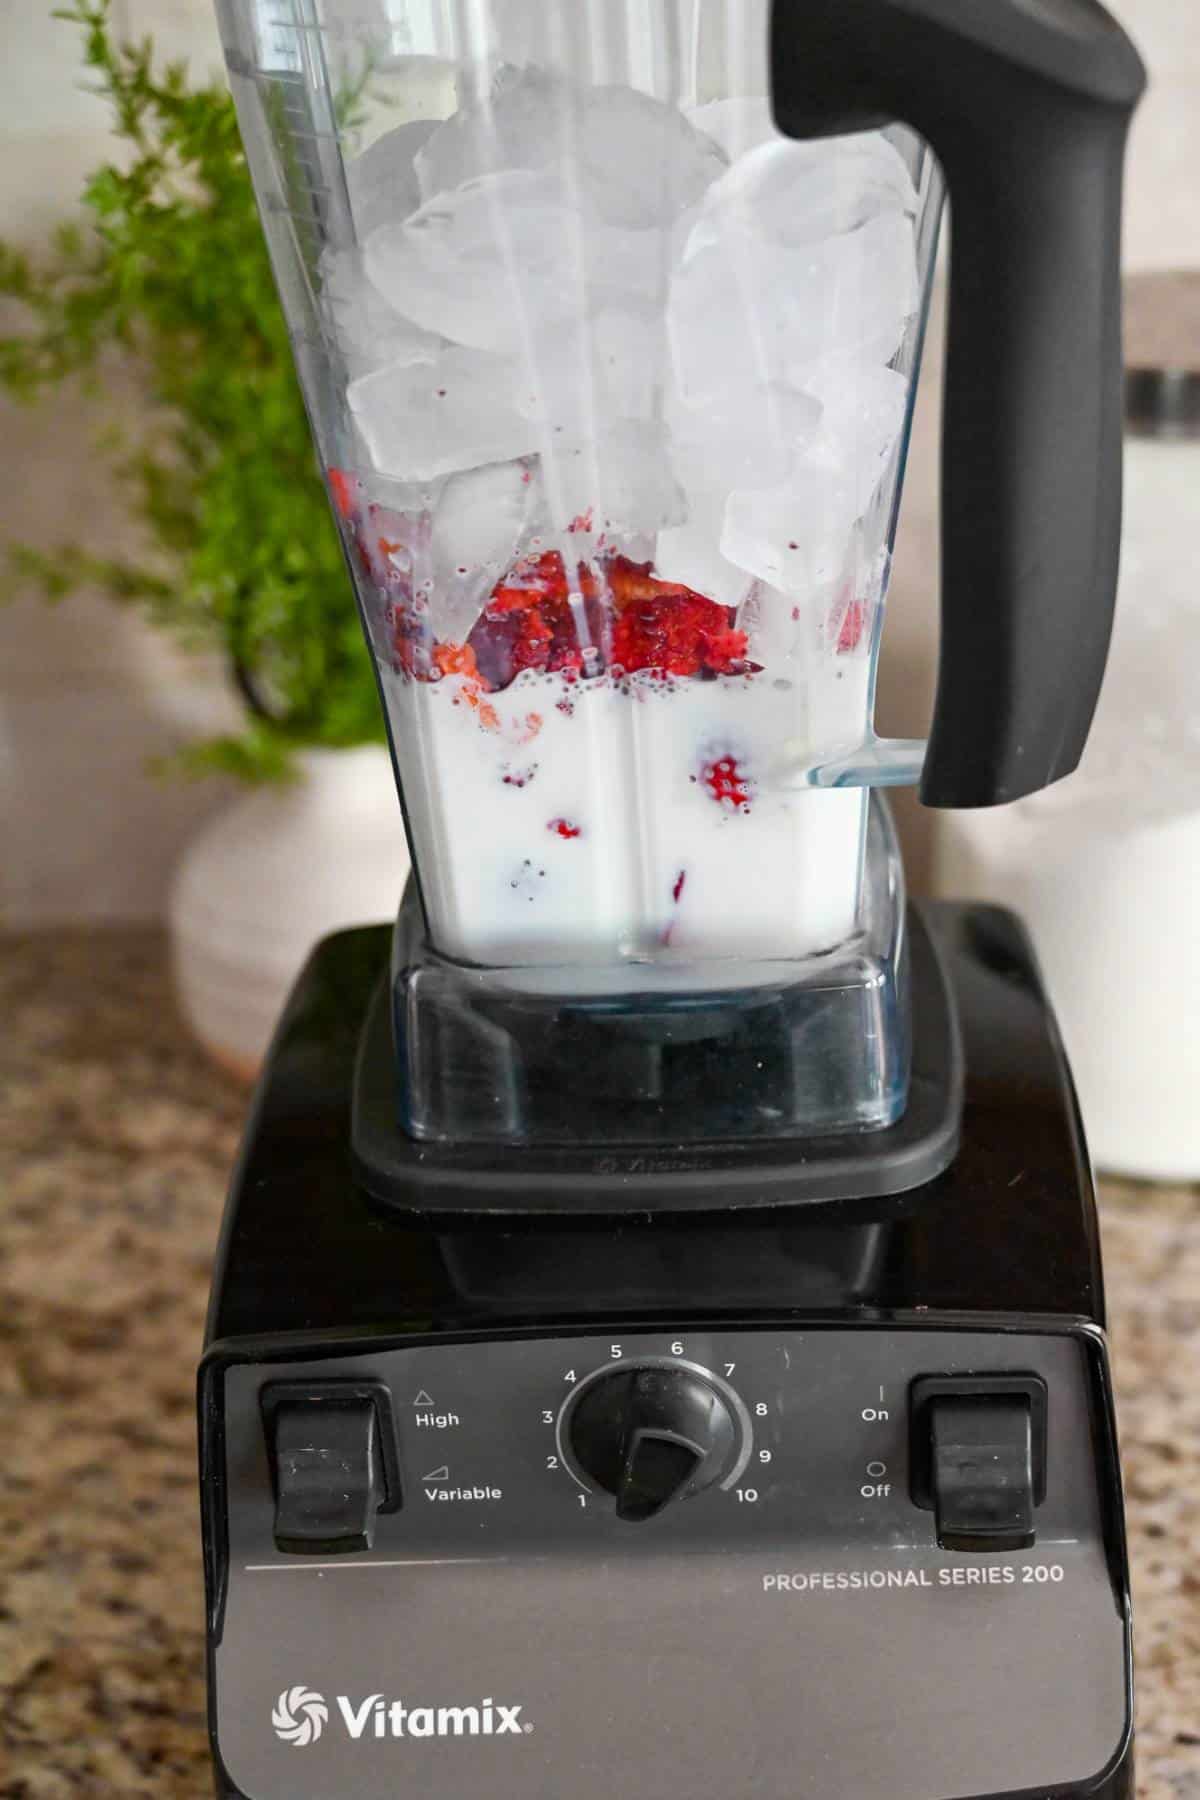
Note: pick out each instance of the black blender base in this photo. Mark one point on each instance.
(803, 1620)
(683, 1174)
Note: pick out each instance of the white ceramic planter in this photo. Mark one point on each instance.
(267, 879)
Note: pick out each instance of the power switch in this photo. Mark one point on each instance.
(332, 1450)
(979, 1458)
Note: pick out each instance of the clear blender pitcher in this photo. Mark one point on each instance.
(612, 386)
(611, 383)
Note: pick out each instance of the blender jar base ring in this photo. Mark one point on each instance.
(684, 1174)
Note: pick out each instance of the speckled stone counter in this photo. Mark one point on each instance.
(115, 1142)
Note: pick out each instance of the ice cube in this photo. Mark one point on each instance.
(748, 311)
(369, 332)
(627, 347)
(737, 125)
(514, 126)
(584, 379)
(414, 497)
(478, 524)
(794, 536)
(623, 265)
(422, 420)
(620, 481)
(744, 437)
(643, 162)
(777, 628)
(691, 552)
(630, 160)
(480, 517)
(483, 264)
(863, 408)
(868, 282)
(382, 182)
(797, 192)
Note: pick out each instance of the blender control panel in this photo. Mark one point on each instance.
(664, 1524)
(718, 1440)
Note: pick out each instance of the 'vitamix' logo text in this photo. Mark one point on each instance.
(299, 1717)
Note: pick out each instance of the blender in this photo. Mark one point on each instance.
(657, 1333)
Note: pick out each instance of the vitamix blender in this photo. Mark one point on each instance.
(657, 1339)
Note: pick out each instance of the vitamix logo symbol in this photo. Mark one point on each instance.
(300, 1716)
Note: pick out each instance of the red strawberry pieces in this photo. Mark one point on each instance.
(664, 627)
(679, 636)
(726, 782)
(634, 620)
(854, 623)
(530, 622)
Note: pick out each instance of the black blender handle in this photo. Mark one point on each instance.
(1026, 104)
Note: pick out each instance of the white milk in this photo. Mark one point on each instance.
(595, 822)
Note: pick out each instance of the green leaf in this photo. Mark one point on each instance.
(170, 268)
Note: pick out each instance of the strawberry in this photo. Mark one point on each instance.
(728, 785)
(628, 582)
(344, 489)
(657, 626)
(528, 622)
(456, 659)
(854, 622)
(691, 636)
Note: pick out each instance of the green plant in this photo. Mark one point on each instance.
(241, 548)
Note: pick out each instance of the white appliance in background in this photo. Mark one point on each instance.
(1105, 868)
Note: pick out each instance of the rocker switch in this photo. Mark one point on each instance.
(332, 1454)
(982, 1473)
(979, 1458)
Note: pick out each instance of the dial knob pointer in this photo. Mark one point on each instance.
(650, 1435)
(657, 1468)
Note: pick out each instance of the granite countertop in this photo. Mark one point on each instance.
(115, 1142)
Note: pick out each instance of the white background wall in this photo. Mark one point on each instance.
(88, 696)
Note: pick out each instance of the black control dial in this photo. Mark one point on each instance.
(650, 1435)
